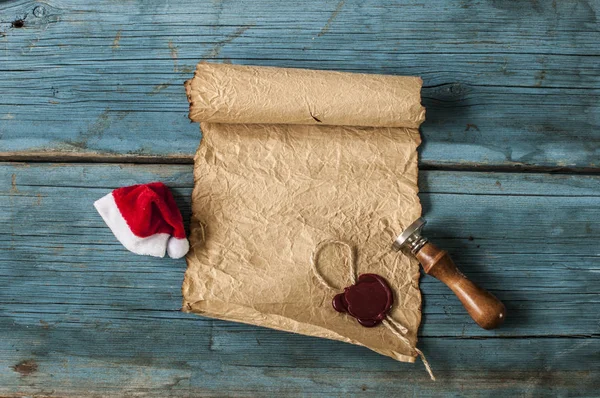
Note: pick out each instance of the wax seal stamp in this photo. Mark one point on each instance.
(368, 300)
(485, 309)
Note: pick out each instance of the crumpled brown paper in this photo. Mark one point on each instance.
(290, 158)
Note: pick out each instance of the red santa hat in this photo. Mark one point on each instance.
(145, 219)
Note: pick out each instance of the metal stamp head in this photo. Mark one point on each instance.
(411, 237)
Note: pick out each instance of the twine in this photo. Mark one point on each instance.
(394, 326)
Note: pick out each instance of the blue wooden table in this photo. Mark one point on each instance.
(92, 99)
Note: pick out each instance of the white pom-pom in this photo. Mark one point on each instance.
(177, 248)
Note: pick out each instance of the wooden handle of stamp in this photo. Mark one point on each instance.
(484, 307)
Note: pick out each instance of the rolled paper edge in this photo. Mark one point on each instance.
(225, 93)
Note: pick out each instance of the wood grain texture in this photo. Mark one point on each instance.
(507, 84)
(79, 315)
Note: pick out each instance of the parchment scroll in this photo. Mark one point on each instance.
(290, 158)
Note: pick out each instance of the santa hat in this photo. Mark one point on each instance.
(145, 219)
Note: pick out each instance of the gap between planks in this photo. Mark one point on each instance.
(77, 158)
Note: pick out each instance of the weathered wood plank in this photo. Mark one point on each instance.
(511, 85)
(522, 258)
(80, 315)
(150, 359)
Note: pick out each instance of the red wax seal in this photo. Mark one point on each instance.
(368, 300)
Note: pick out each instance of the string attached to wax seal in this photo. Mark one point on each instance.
(394, 326)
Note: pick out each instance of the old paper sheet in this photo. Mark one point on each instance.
(290, 158)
